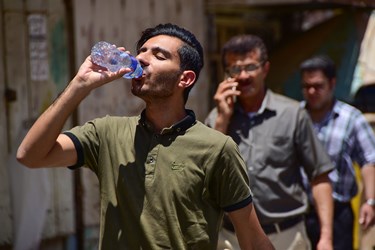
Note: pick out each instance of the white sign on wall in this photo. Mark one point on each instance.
(38, 47)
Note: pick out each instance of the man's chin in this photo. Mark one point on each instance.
(136, 91)
(314, 106)
(248, 93)
(136, 87)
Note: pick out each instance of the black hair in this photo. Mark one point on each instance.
(191, 53)
(320, 62)
(242, 44)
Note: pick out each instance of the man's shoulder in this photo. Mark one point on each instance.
(345, 108)
(208, 131)
(278, 99)
(283, 104)
(109, 122)
(349, 114)
(110, 118)
(209, 134)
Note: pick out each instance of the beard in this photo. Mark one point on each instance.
(159, 86)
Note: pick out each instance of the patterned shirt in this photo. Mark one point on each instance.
(348, 138)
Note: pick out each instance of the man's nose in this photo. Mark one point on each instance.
(142, 59)
(311, 90)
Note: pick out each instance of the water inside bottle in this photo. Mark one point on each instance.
(108, 56)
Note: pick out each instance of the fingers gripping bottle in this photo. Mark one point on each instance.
(108, 56)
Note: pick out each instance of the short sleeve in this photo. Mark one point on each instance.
(229, 183)
(364, 152)
(311, 152)
(86, 141)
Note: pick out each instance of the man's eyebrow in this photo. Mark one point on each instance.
(157, 49)
(165, 52)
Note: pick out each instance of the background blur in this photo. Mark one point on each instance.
(43, 42)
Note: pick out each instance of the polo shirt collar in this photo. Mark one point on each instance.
(179, 127)
(335, 110)
(268, 104)
(333, 113)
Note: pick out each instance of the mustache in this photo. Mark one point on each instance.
(244, 82)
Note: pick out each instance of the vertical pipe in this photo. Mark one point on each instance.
(5, 78)
(78, 190)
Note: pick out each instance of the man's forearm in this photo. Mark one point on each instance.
(42, 136)
(249, 233)
(368, 177)
(322, 194)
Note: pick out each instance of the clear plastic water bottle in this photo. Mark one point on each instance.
(108, 56)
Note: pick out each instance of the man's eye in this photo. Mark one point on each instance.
(160, 57)
(251, 67)
(236, 69)
(142, 50)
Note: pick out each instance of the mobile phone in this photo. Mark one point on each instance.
(234, 88)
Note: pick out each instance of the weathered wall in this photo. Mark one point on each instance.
(5, 208)
(33, 68)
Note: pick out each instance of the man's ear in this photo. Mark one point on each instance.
(187, 78)
(266, 67)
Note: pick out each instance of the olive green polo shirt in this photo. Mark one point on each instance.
(161, 191)
(275, 143)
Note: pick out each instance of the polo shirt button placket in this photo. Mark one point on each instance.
(150, 160)
(150, 167)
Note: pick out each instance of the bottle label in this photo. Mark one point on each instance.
(134, 63)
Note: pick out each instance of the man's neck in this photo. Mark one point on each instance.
(163, 116)
(253, 104)
(317, 115)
